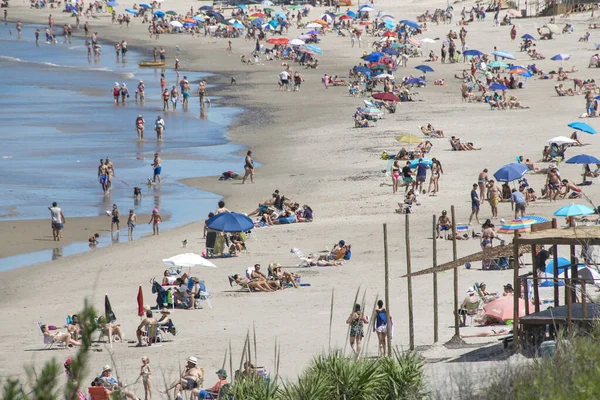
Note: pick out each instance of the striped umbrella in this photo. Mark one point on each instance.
(414, 42)
(537, 219)
(520, 224)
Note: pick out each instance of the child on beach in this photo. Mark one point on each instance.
(145, 373)
(94, 239)
(115, 218)
(131, 221)
(155, 219)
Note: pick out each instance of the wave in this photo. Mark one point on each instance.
(49, 64)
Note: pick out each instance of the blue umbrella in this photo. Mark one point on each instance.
(351, 14)
(314, 49)
(206, 8)
(414, 81)
(198, 18)
(145, 5)
(257, 21)
(498, 86)
(230, 222)
(562, 263)
(583, 127)
(189, 25)
(280, 14)
(391, 52)
(159, 14)
(131, 11)
(112, 4)
(215, 14)
(574, 210)
(583, 159)
(424, 68)
(510, 172)
(537, 219)
(364, 70)
(390, 24)
(527, 36)
(242, 6)
(410, 23)
(426, 161)
(313, 32)
(374, 57)
(237, 25)
(473, 53)
(274, 23)
(503, 54)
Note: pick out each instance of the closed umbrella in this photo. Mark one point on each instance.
(189, 260)
(424, 68)
(230, 222)
(503, 54)
(574, 210)
(583, 127)
(511, 172)
(409, 139)
(561, 140)
(386, 97)
(502, 308)
(140, 302)
(583, 159)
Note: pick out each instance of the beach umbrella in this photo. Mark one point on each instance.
(171, 12)
(230, 222)
(189, 260)
(232, 21)
(388, 16)
(278, 40)
(198, 18)
(345, 17)
(583, 127)
(145, 5)
(259, 15)
(296, 42)
(427, 40)
(351, 14)
(274, 23)
(365, 23)
(320, 22)
(304, 37)
(386, 97)
(112, 4)
(159, 14)
(561, 57)
(553, 28)
(373, 57)
(502, 308)
(389, 23)
(424, 68)
(414, 42)
(561, 140)
(314, 49)
(511, 172)
(215, 14)
(364, 70)
(266, 3)
(326, 17)
(473, 52)
(206, 8)
(366, 9)
(426, 161)
(242, 6)
(537, 219)
(498, 86)
(313, 25)
(268, 27)
(583, 159)
(562, 263)
(280, 14)
(176, 24)
(131, 11)
(396, 45)
(238, 25)
(498, 64)
(519, 224)
(503, 54)
(414, 81)
(410, 23)
(574, 210)
(269, 10)
(517, 70)
(140, 302)
(389, 34)
(108, 312)
(313, 32)
(409, 139)
(391, 51)
(527, 36)
(378, 67)
(189, 25)
(371, 112)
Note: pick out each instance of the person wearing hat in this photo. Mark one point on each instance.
(213, 392)
(111, 384)
(508, 290)
(165, 322)
(139, 126)
(282, 276)
(444, 224)
(470, 303)
(191, 378)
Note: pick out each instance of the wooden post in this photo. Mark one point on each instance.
(574, 275)
(435, 284)
(387, 290)
(536, 290)
(568, 301)
(555, 273)
(526, 293)
(517, 290)
(331, 317)
(567, 290)
(583, 301)
(454, 258)
(411, 329)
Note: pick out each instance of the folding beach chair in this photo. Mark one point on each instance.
(303, 259)
(98, 393)
(153, 335)
(48, 341)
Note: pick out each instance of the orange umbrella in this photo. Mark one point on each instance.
(366, 23)
(278, 40)
(503, 308)
(320, 21)
(190, 20)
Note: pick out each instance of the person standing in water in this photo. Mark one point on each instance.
(139, 126)
(248, 168)
(165, 96)
(174, 97)
(141, 88)
(115, 218)
(37, 37)
(131, 221)
(157, 168)
(124, 92)
(202, 91)
(110, 168)
(155, 219)
(116, 92)
(103, 175)
(177, 66)
(159, 127)
(58, 221)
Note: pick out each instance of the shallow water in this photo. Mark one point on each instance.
(58, 120)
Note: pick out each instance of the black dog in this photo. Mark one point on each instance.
(137, 192)
(233, 81)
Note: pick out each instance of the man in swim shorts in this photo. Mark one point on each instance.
(493, 197)
(103, 175)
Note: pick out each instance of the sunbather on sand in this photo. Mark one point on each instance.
(284, 277)
(457, 145)
(429, 130)
(257, 286)
(513, 102)
(258, 276)
(60, 337)
(169, 280)
(493, 332)
(109, 329)
(561, 91)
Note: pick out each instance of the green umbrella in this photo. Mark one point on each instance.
(396, 45)
(270, 10)
(294, 7)
(171, 13)
(379, 67)
(497, 64)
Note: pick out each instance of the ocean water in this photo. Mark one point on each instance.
(58, 120)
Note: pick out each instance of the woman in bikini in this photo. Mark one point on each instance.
(248, 168)
(356, 320)
(395, 175)
(165, 96)
(434, 180)
(174, 97)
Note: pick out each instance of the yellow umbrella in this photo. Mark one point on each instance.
(320, 21)
(410, 139)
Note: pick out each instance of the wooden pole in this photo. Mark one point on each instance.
(435, 284)
(255, 353)
(568, 301)
(583, 301)
(387, 289)
(249, 349)
(411, 328)
(536, 290)
(370, 328)
(243, 354)
(224, 359)
(454, 258)
(231, 371)
(331, 317)
(555, 273)
(574, 275)
(517, 289)
(526, 294)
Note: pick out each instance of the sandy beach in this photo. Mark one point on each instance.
(311, 152)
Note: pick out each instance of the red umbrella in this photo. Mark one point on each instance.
(140, 301)
(389, 34)
(278, 40)
(258, 14)
(503, 308)
(343, 17)
(386, 97)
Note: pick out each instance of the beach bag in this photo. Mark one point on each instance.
(381, 318)
(348, 254)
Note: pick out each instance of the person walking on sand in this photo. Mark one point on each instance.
(145, 373)
(131, 221)
(380, 327)
(482, 181)
(229, 47)
(139, 126)
(475, 203)
(356, 320)
(155, 219)
(248, 168)
(159, 127)
(58, 221)
(157, 168)
(115, 218)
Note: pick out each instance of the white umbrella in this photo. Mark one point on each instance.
(296, 42)
(561, 140)
(391, 39)
(188, 260)
(367, 9)
(327, 18)
(233, 21)
(313, 25)
(176, 24)
(426, 40)
(383, 76)
(266, 3)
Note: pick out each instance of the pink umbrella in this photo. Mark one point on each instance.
(503, 308)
